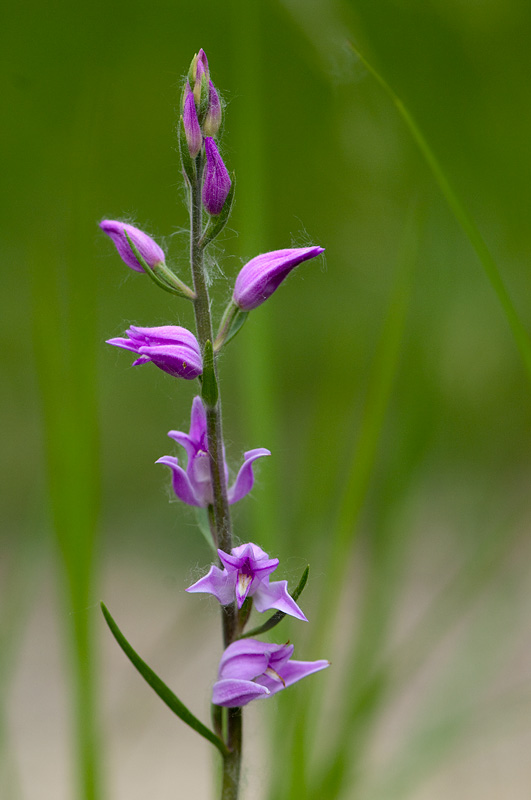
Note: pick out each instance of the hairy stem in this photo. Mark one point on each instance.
(221, 523)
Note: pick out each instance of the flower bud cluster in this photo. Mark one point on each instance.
(202, 115)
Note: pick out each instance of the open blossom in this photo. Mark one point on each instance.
(250, 669)
(246, 574)
(193, 485)
(216, 183)
(171, 348)
(148, 249)
(262, 275)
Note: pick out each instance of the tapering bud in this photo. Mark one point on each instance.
(262, 275)
(213, 117)
(147, 248)
(216, 180)
(194, 137)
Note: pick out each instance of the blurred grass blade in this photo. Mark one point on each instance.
(158, 686)
(466, 222)
(279, 615)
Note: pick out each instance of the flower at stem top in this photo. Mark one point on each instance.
(262, 275)
(246, 574)
(171, 348)
(250, 669)
(194, 485)
(148, 249)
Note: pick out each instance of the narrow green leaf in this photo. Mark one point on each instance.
(160, 283)
(158, 685)
(209, 391)
(464, 219)
(278, 616)
(231, 322)
(217, 223)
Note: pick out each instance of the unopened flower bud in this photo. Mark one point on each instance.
(262, 275)
(216, 181)
(194, 137)
(213, 117)
(147, 248)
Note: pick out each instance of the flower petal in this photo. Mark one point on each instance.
(232, 693)
(262, 275)
(149, 250)
(180, 480)
(176, 360)
(276, 595)
(215, 582)
(245, 478)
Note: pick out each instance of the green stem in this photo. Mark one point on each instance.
(219, 515)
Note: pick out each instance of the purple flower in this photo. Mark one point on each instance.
(216, 181)
(213, 117)
(193, 485)
(170, 347)
(246, 574)
(148, 249)
(250, 669)
(259, 278)
(194, 137)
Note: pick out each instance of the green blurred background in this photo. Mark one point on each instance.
(385, 380)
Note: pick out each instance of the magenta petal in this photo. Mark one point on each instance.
(294, 671)
(233, 693)
(197, 420)
(245, 658)
(276, 595)
(176, 360)
(245, 478)
(181, 483)
(127, 344)
(262, 275)
(163, 334)
(148, 249)
(215, 582)
(194, 137)
(216, 182)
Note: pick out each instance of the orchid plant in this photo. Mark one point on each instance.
(240, 579)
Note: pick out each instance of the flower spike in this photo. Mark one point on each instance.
(262, 275)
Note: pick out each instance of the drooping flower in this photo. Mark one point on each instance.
(216, 181)
(246, 574)
(250, 669)
(194, 137)
(193, 485)
(148, 249)
(262, 275)
(171, 348)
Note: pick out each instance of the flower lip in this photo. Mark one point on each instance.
(262, 275)
(148, 249)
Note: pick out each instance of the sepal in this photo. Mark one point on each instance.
(278, 616)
